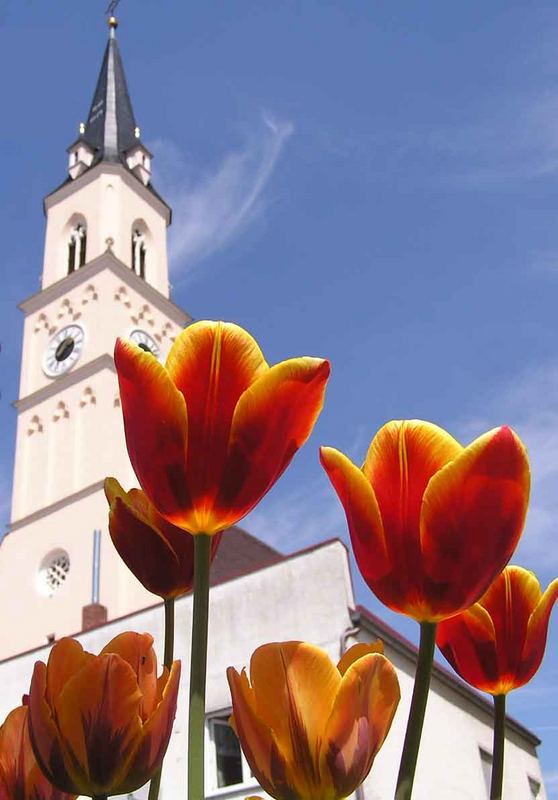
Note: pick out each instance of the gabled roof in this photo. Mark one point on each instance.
(241, 553)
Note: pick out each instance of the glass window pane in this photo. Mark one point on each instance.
(228, 755)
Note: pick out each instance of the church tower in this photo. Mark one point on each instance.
(105, 274)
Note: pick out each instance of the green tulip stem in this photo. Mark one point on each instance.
(155, 784)
(198, 667)
(169, 632)
(497, 780)
(415, 722)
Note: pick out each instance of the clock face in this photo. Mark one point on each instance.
(63, 350)
(145, 341)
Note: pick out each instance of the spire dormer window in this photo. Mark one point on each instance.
(138, 160)
(138, 252)
(77, 247)
(80, 158)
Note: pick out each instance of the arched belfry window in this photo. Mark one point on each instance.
(139, 251)
(77, 247)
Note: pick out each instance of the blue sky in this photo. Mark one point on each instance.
(372, 182)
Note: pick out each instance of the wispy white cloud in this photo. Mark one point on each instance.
(211, 208)
(309, 513)
(545, 261)
(551, 784)
(530, 404)
(296, 519)
(516, 141)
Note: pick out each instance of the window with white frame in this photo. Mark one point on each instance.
(226, 763)
(139, 251)
(77, 247)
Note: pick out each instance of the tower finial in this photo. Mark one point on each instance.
(112, 21)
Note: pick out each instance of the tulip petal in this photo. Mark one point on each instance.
(15, 763)
(358, 651)
(363, 515)
(65, 658)
(402, 458)
(212, 364)
(472, 517)
(360, 720)
(273, 419)
(155, 735)
(20, 776)
(510, 601)
(258, 741)
(98, 710)
(295, 684)
(537, 629)
(468, 642)
(156, 427)
(44, 733)
(137, 650)
(145, 551)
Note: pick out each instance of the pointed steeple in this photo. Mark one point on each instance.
(111, 130)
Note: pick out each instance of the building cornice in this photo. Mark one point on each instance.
(106, 260)
(110, 168)
(65, 501)
(58, 385)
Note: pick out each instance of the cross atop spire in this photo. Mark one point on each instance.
(111, 128)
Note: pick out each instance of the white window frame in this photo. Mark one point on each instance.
(212, 789)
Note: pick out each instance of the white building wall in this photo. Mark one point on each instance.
(67, 528)
(110, 200)
(105, 305)
(455, 730)
(308, 597)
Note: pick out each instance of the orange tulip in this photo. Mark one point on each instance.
(211, 432)
(432, 523)
(498, 644)
(20, 775)
(100, 725)
(160, 555)
(311, 730)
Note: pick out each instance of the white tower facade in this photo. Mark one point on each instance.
(105, 274)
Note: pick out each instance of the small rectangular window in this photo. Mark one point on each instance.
(486, 763)
(227, 754)
(227, 765)
(535, 788)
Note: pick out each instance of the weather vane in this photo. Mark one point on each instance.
(111, 8)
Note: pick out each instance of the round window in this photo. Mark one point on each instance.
(53, 572)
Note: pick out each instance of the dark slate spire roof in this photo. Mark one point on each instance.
(110, 129)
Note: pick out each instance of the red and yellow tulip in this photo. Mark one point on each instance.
(100, 725)
(311, 730)
(498, 644)
(209, 433)
(432, 523)
(160, 555)
(20, 775)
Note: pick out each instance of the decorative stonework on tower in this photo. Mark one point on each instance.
(105, 274)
